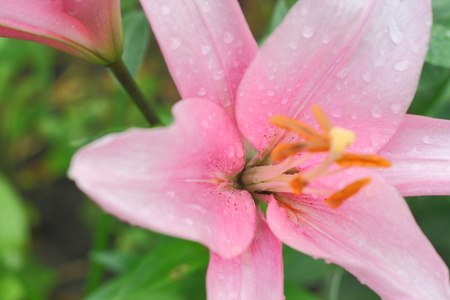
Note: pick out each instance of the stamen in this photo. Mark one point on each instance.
(283, 151)
(297, 184)
(341, 139)
(322, 119)
(368, 160)
(336, 199)
(297, 126)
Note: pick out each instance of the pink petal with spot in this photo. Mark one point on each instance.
(359, 60)
(372, 234)
(167, 179)
(207, 46)
(255, 274)
(420, 156)
(89, 29)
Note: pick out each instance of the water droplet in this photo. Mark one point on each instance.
(170, 194)
(165, 9)
(343, 73)
(307, 32)
(394, 32)
(338, 86)
(205, 5)
(72, 12)
(428, 140)
(236, 63)
(396, 108)
(231, 151)
(188, 221)
(353, 116)
(270, 93)
(205, 49)
(325, 39)
(284, 100)
(219, 75)
(239, 43)
(228, 37)
(366, 76)
(201, 91)
(175, 43)
(376, 112)
(337, 113)
(260, 86)
(293, 45)
(402, 65)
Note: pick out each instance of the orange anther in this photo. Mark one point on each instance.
(297, 185)
(282, 151)
(336, 199)
(298, 127)
(322, 119)
(367, 160)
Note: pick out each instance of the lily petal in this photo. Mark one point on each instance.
(89, 29)
(358, 60)
(166, 179)
(207, 46)
(255, 274)
(420, 156)
(373, 235)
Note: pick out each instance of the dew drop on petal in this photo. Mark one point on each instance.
(270, 93)
(376, 112)
(402, 65)
(228, 37)
(336, 113)
(72, 12)
(175, 43)
(366, 76)
(343, 73)
(307, 32)
(325, 39)
(396, 108)
(293, 45)
(170, 194)
(395, 33)
(428, 140)
(165, 9)
(205, 49)
(201, 91)
(219, 75)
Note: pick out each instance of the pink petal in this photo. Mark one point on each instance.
(373, 235)
(420, 156)
(90, 29)
(255, 274)
(359, 60)
(207, 46)
(166, 179)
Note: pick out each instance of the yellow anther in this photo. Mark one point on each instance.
(298, 127)
(297, 185)
(322, 119)
(341, 139)
(368, 160)
(336, 199)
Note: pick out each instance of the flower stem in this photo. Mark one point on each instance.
(336, 283)
(122, 74)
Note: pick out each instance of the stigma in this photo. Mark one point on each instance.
(284, 174)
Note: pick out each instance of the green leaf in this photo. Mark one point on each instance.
(13, 225)
(439, 51)
(160, 275)
(136, 39)
(11, 288)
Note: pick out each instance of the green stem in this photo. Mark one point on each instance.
(122, 74)
(101, 236)
(336, 283)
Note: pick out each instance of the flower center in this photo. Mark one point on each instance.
(285, 175)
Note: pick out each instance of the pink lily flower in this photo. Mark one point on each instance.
(341, 75)
(88, 29)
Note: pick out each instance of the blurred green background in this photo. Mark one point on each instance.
(56, 244)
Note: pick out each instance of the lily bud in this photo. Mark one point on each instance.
(88, 29)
